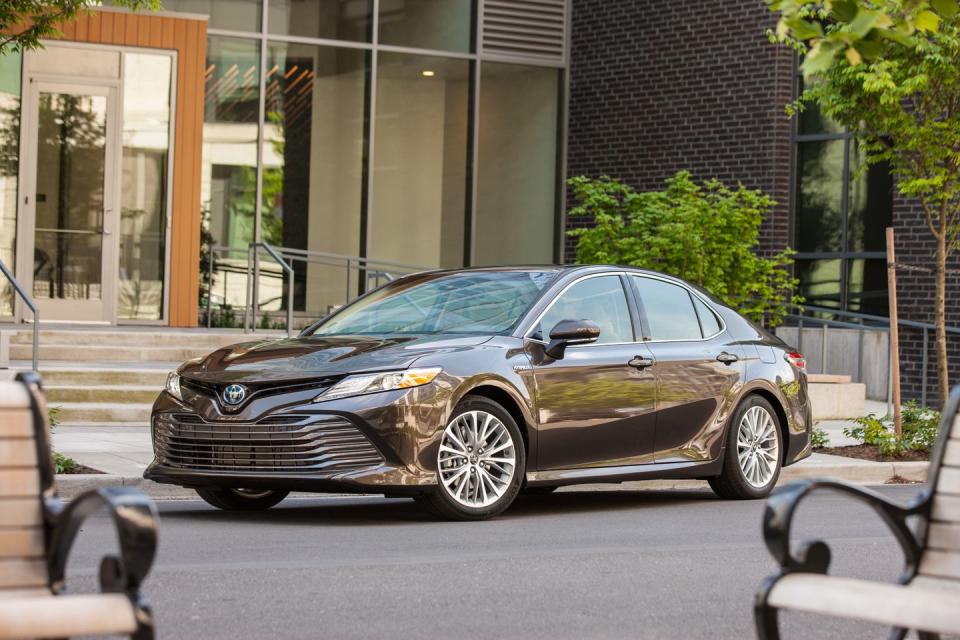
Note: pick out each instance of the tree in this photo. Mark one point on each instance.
(889, 70)
(705, 234)
(23, 23)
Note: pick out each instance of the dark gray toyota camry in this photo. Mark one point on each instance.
(463, 389)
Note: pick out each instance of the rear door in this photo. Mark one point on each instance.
(595, 408)
(696, 370)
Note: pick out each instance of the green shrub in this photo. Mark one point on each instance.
(61, 463)
(819, 438)
(706, 234)
(920, 427)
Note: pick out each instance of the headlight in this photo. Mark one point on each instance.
(173, 385)
(373, 382)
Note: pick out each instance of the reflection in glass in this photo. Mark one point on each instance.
(601, 300)
(867, 287)
(820, 282)
(811, 120)
(870, 204)
(427, 24)
(819, 213)
(233, 15)
(9, 166)
(229, 174)
(71, 158)
(516, 173)
(313, 167)
(420, 160)
(330, 19)
(143, 195)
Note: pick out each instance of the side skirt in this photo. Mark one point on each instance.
(654, 471)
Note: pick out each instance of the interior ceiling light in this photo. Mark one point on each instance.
(427, 73)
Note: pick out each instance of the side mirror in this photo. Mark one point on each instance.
(567, 332)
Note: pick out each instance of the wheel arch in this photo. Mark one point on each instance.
(511, 405)
(778, 408)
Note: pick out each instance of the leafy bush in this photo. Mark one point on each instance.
(705, 234)
(61, 463)
(819, 438)
(920, 427)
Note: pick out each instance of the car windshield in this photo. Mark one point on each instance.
(464, 302)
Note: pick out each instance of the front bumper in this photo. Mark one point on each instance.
(377, 443)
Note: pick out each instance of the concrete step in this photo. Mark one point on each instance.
(138, 337)
(103, 412)
(117, 394)
(155, 377)
(108, 353)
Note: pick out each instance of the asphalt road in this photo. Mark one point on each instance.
(581, 564)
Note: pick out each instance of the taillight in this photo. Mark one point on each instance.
(796, 359)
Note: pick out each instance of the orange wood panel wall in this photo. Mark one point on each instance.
(188, 36)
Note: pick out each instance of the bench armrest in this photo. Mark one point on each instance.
(135, 518)
(814, 556)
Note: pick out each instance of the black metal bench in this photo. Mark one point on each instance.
(37, 532)
(927, 595)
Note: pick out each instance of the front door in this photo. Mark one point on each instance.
(595, 408)
(67, 248)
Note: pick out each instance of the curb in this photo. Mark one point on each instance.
(859, 472)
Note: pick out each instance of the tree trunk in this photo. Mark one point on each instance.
(941, 319)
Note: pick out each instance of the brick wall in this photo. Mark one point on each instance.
(689, 84)
(916, 292)
(695, 84)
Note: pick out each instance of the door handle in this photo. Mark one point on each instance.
(727, 358)
(639, 362)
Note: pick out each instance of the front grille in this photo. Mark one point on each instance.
(261, 389)
(287, 443)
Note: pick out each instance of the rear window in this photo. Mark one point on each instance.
(669, 310)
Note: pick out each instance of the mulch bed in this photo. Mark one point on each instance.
(872, 452)
(78, 469)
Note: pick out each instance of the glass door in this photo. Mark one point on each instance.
(69, 196)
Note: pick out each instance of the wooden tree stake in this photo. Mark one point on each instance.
(894, 333)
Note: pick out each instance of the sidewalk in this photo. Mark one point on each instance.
(123, 452)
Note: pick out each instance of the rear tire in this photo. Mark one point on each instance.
(230, 499)
(754, 452)
(481, 462)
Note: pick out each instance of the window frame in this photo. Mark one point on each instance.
(531, 325)
(693, 295)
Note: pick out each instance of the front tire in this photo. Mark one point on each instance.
(754, 452)
(480, 462)
(230, 499)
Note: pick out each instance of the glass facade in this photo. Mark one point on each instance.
(338, 128)
(841, 209)
(143, 190)
(9, 167)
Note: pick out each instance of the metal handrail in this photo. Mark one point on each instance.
(27, 300)
(879, 323)
(254, 250)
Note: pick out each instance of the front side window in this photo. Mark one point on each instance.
(669, 310)
(601, 300)
(472, 302)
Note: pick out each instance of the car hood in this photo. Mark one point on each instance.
(312, 356)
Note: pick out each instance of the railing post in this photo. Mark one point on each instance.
(289, 300)
(923, 369)
(860, 355)
(249, 301)
(823, 349)
(256, 287)
(27, 300)
(349, 266)
(209, 284)
(800, 335)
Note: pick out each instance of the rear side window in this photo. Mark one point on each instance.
(708, 319)
(669, 310)
(600, 299)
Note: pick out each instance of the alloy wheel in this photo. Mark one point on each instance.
(477, 459)
(758, 446)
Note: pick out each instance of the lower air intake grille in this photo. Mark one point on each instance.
(282, 443)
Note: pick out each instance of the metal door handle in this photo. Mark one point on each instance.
(639, 362)
(727, 358)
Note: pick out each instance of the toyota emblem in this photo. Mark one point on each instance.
(234, 394)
